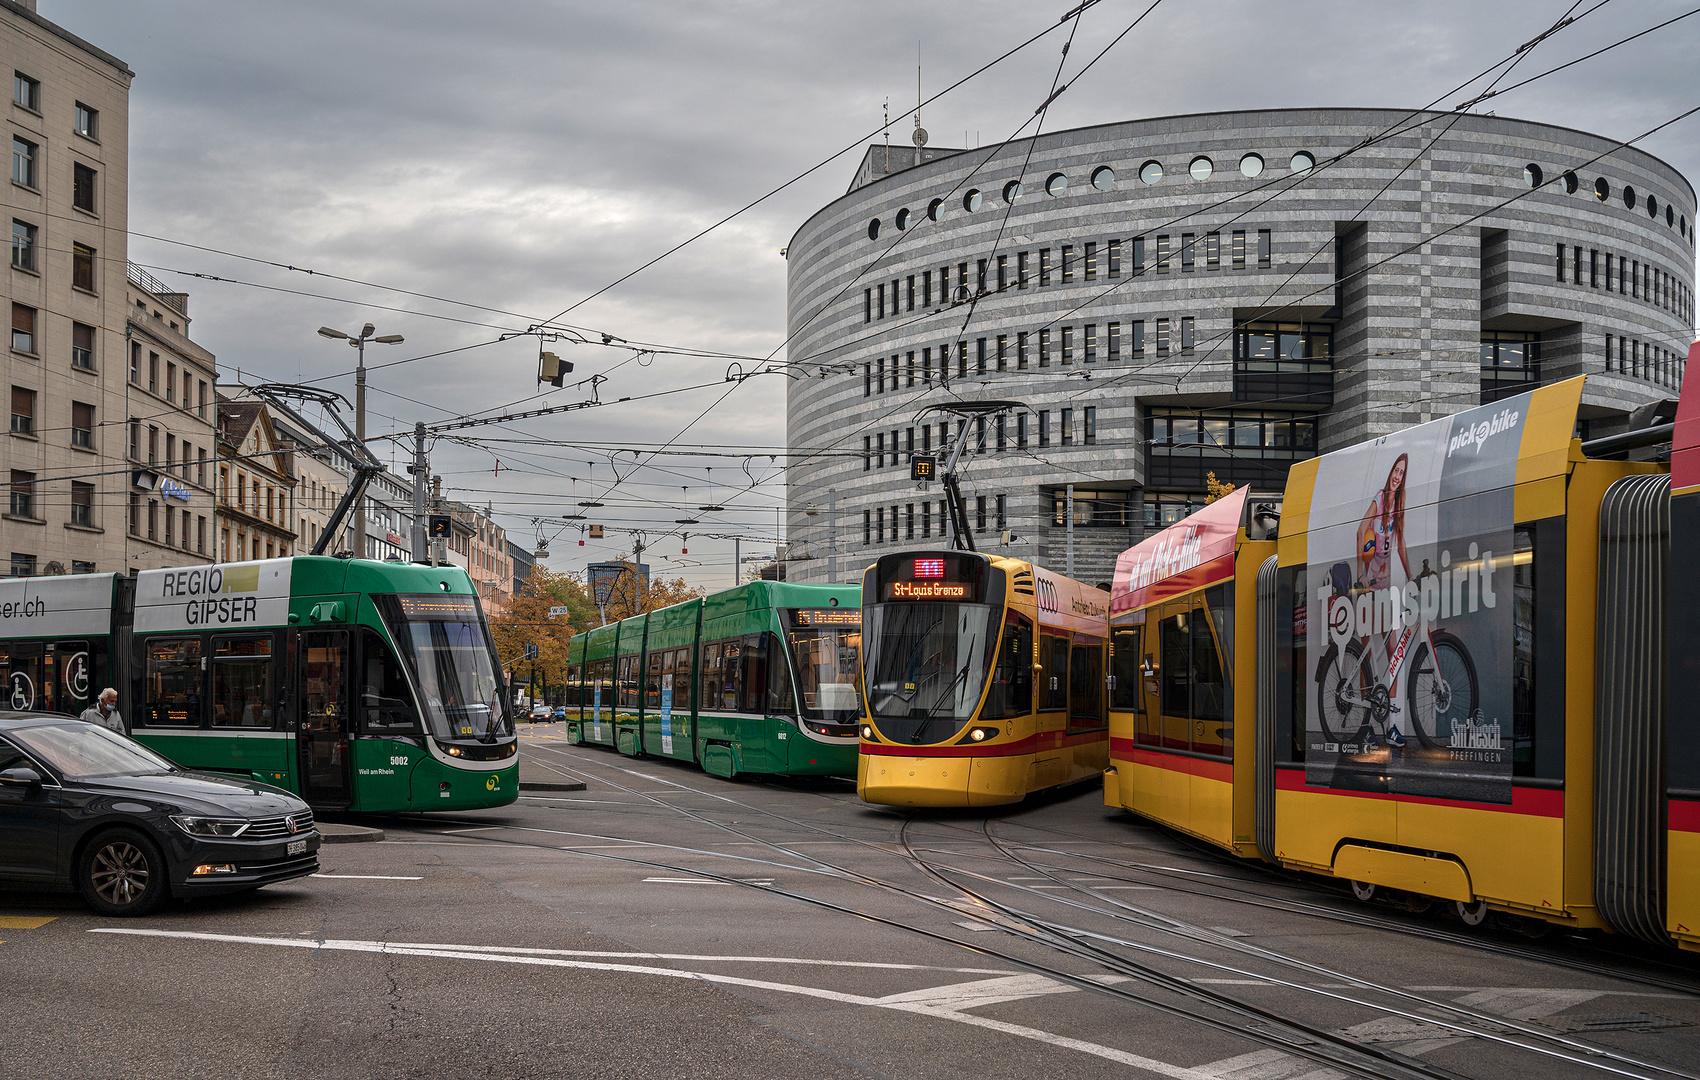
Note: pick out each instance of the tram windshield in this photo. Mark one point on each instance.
(926, 666)
(826, 645)
(447, 650)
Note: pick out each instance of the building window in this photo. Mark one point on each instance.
(82, 267)
(1213, 251)
(867, 305)
(82, 187)
(1021, 431)
(1021, 270)
(1113, 259)
(879, 524)
(23, 245)
(201, 534)
(1511, 363)
(1003, 438)
(1114, 342)
(23, 162)
(1091, 267)
(82, 504)
(153, 445)
(171, 382)
(908, 521)
(1187, 334)
(979, 513)
(867, 379)
(1044, 266)
(1066, 423)
(980, 276)
(1136, 337)
(911, 284)
(26, 91)
(23, 565)
(1067, 263)
(1067, 345)
(82, 425)
(1092, 509)
(1089, 342)
(1003, 352)
(79, 566)
(1239, 249)
(23, 411)
(183, 534)
(926, 520)
(135, 514)
(1089, 425)
(1160, 509)
(82, 346)
(23, 494)
(1265, 248)
(1187, 253)
(1003, 272)
(1138, 255)
(1021, 350)
(87, 122)
(23, 329)
(1003, 511)
(879, 449)
(1044, 348)
(1045, 428)
(1594, 268)
(980, 355)
(1162, 337)
(135, 439)
(1162, 254)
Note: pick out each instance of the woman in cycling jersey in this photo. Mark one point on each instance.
(1382, 563)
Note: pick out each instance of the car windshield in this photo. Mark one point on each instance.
(447, 650)
(79, 751)
(826, 660)
(926, 666)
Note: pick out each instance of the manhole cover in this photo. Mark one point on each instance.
(1635, 1021)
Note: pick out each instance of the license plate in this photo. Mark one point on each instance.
(297, 847)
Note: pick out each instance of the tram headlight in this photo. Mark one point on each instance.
(978, 734)
(867, 731)
(210, 828)
(455, 751)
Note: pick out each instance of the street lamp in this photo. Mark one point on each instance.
(358, 527)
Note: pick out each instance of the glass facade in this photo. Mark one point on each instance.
(1511, 363)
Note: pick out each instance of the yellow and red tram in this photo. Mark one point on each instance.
(983, 680)
(1443, 674)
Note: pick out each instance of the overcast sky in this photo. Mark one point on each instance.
(521, 155)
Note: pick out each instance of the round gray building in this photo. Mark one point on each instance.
(1213, 295)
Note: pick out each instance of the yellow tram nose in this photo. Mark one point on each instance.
(913, 781)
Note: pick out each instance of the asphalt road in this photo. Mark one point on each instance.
(665, 923)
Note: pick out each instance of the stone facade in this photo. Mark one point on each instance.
(1228, 298)
(66, 369)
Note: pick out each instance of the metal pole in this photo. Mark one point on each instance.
(358, 528)
(1068, 509)
(737, 562)
(419, 469)
(832, 537)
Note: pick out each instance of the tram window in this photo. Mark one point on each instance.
(628, 676)
(752, 682)
(731, 673)
(1124, 670)
(781, 699)
(47, 678)
(652, 680)
(1291, 651)
(1086, 684)
(709, 694)
(242, 682)
(575, 684)
(385, 704)
(1054, 656)
(173, 695)
(681, 681)
(1175, 678)
(1011, 692)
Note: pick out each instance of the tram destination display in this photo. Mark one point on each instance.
(1411, 628)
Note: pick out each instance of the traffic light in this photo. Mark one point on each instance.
(440, 526)
(552, 369)
(922, 468)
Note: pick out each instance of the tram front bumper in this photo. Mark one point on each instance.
(894, 780)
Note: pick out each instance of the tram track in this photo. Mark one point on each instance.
(1287, 1034)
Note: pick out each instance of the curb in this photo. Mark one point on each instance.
(575, 786)
(333, 833)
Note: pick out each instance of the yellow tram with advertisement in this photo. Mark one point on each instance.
(1435, 669)
(983, 680)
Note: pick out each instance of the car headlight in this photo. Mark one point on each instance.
(208, 828)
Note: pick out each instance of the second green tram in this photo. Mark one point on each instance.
(756, 679)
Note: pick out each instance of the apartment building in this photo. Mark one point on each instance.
(66, 369)
(481, 546)
(256, 484)
(321, 468)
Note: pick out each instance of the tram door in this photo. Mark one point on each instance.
(323, 737)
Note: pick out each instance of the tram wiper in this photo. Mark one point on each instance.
(959, 677)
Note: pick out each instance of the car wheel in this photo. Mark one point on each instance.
(122, 873)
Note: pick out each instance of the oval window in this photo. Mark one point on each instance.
(1602, 189)
(1056, 184)
(1652, 207)
(1151, 173)
(1669, 215)
(971, 201)
(1532, 175)
(1251, 166)
(1201, 168)
(1571, 184)
(874, 229)
(1302, 162)
(902, 219)
(1012, 191)
(934, 208)
(1682, 224)
(1629, 196)
(1103, 178)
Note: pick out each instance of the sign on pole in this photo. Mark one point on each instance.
(558, 610)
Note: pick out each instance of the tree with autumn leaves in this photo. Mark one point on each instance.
(527, 619)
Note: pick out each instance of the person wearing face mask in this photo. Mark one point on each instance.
(105, 712)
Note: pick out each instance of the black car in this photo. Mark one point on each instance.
(84, 807)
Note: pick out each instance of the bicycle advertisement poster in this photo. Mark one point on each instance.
(1410, 565)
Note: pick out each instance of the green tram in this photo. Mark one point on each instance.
(362, 686)
(756, 679)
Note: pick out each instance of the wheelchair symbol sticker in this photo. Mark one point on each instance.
(23, 692)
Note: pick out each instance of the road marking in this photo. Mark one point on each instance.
(897, 1002)
(366, 877)
(25, 922)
